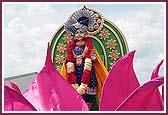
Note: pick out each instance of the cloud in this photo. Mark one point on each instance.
(25, 47)
(8, 10)
(17, 25)
(31, 14)
(144, 31)
(39, 9)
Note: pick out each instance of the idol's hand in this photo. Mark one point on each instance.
(82, 89)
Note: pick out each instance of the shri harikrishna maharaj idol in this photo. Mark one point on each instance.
(81, 55)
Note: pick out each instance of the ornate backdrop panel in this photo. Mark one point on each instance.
(106, 36)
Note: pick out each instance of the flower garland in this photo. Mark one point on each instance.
(71, 75)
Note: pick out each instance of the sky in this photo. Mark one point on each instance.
(28, 27)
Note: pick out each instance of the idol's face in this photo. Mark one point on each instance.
(79, 34)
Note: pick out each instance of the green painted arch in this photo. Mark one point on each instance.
(100, 44)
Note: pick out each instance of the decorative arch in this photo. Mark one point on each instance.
(106, 36)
